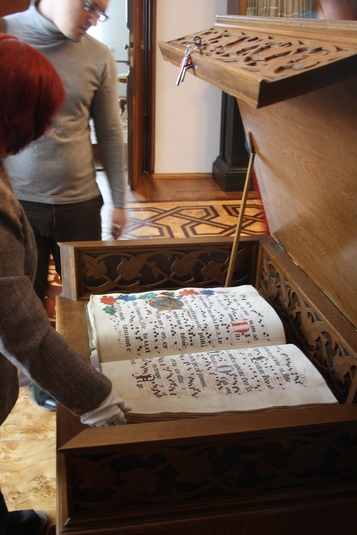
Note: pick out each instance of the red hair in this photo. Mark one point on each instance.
(31, 92)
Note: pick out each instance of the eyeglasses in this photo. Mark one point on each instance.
(88, 6)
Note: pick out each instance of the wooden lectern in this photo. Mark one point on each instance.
(278, 472)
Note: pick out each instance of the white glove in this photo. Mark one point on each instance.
(110, 412)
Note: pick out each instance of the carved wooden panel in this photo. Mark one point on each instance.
(270, 67)
(265, 56)
(166, 482)
(176, 264)
(307, 328)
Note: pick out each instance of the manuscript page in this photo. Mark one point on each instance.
(218, 382)
(152, 324)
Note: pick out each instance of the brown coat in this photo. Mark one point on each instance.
(28, 342)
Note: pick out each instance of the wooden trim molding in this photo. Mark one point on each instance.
(181, 176)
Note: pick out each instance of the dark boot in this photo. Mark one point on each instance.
(43, 400)
(27, 523)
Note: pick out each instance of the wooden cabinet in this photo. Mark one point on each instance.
(277, 472)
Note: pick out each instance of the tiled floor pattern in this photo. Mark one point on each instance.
(188, 219)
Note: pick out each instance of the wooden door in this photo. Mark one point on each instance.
(236, 7)
(13, 6)
(140, 89)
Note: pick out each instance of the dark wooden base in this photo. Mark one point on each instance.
(230, 168)
(227, 177)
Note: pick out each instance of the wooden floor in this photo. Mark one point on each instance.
(27, 438)
(173, 189)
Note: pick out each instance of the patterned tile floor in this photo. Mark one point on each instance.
(188, 219)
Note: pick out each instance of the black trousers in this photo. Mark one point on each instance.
(54, 223)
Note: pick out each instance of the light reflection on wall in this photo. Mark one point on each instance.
(115, 34)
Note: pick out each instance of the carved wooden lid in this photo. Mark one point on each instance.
(302, 76)
(273, 59)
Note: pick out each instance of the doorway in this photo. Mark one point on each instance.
(136, 59)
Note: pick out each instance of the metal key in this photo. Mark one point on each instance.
(185, 64)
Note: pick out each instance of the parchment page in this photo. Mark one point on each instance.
(219, 381)
(187, 320)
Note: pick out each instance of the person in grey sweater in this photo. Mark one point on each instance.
(54, 178)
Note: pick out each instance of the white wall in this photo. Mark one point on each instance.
(188, 115)
(115, 34)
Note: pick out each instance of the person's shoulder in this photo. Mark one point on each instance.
(96, 47)
(9, 204)
(19, 24)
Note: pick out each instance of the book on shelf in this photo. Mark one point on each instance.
(194, 352)
(280, 8)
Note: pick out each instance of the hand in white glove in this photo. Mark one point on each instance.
(110, 412)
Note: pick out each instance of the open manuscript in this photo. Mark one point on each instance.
(194, 352)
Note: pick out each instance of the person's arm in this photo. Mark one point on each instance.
(110, 139)
(32, 345)
(118, 222)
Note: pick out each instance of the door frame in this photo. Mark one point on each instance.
(141, 89)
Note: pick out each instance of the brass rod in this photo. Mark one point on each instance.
(235, 245)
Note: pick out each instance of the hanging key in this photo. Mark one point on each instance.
(182, 69)
(185, 64)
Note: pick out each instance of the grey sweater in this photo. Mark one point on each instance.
(59, 167)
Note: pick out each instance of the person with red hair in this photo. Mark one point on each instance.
(55, 177)
(23, 120)
(31, 93)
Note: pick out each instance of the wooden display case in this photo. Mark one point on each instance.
(275, 472)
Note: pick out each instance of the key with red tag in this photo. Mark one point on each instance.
(185, 64)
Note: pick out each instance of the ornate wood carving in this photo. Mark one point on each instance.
(270, 67)
(307, 328)
(170, 481)
(176, 265)
(256, 52)
(268, 57)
